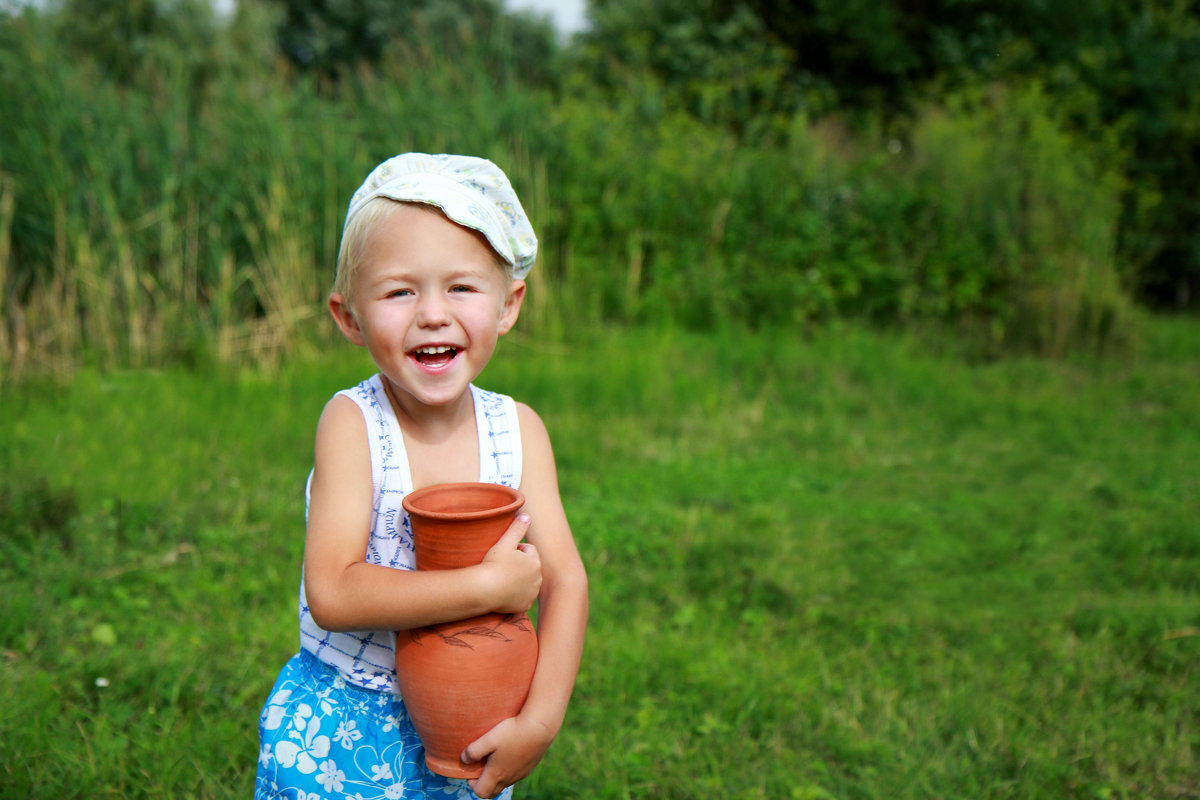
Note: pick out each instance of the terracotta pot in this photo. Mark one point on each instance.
(459, 679)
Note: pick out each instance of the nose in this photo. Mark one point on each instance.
(432, 311)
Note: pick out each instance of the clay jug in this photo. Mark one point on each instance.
(458, 679)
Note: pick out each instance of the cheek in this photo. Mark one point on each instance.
(482, 316)
(384, 322)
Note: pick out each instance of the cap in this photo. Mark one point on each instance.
(471, 191)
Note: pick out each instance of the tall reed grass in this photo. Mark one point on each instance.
(193, 215)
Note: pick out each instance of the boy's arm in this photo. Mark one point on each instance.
(346, 593)
(515, 746)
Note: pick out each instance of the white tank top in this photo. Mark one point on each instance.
(367, 658)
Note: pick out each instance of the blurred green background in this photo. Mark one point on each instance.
(172, 179)
(866, 333)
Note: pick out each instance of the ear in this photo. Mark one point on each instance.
(512, 306)
(343, 315)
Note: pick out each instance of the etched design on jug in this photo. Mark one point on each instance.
(454, 639)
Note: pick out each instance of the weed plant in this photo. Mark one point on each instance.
(826, 567)
(183, 210)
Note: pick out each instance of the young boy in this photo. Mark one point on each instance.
(430, 275)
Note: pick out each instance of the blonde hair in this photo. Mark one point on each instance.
(357, 234)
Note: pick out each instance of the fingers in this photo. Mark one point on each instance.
(485, 785)
(509, 751)
(515, 533)
(478, 750)
(515, 570)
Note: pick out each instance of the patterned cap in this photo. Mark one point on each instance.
(471, 191)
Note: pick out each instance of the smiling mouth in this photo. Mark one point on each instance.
(435, 356)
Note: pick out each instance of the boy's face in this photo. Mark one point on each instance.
(429, 303)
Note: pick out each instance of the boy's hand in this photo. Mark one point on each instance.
(514, 569)
(511, 749)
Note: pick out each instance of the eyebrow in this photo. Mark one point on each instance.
(479, 272)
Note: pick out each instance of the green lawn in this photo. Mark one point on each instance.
(836, 567)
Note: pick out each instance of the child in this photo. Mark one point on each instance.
(430, 270)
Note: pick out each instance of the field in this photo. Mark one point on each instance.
(848, 565)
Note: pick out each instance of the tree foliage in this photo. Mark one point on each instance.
(167, 173)
(127, 37)
(331, 36)
(1126, 65)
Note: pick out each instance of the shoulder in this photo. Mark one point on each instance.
(537, 452)
(533, 430)
(341, 454)
(341, 423)
(340, 408)
(350, 406)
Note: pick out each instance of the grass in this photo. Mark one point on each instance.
(840, 567)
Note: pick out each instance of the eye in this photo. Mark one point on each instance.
(462, 287)
(399, 293)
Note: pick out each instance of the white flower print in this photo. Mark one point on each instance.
(276, 708)
(312, 745)
(331, 777)
(303, 712)
(327, 705)
(347, 735)
(359, 707)
(319, 744)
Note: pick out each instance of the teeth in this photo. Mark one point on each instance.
(435, 351)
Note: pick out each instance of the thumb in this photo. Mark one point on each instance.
(515, 533)
(479, 749)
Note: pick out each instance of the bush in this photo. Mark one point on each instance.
(1018, 223)
(993, 218)
(164, 214)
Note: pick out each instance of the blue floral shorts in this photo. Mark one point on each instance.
(320, 737)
